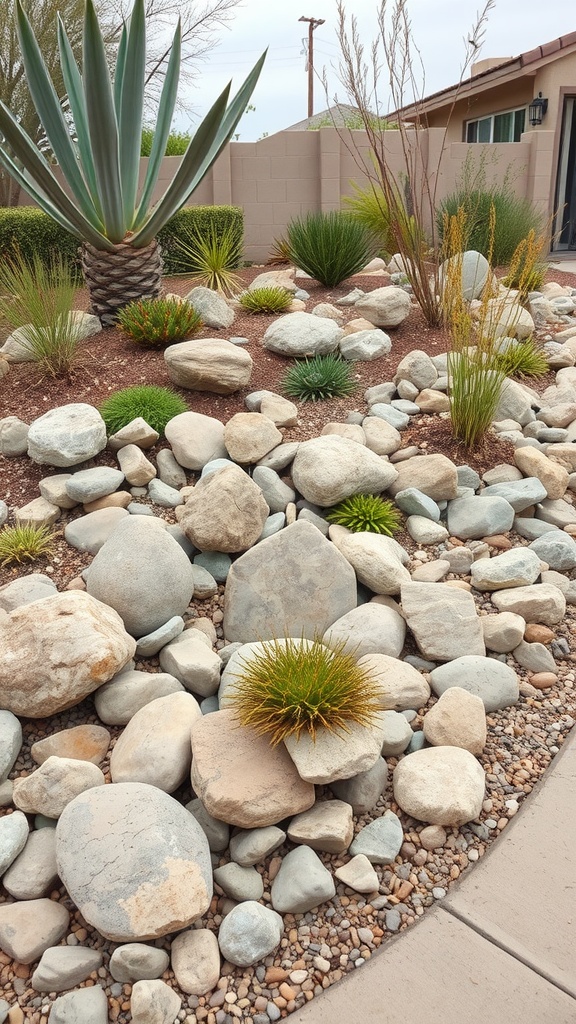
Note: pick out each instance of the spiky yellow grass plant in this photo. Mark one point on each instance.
(24, 543)
(291, 687)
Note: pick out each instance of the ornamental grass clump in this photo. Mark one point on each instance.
(321, 377)
(523, 359)
(366, 513)
(159, 322)
(211, 257)
(291, 687)
(330, 246)
(154, 404)
(268, 299)
(25, 543)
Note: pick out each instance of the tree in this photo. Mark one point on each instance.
(201, 21)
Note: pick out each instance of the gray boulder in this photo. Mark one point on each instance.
(249, 933)
(302, 334)
(67, 435)
(302, 882)
(329, 468)
(496, 683)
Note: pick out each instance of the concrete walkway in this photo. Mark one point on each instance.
(500, 949)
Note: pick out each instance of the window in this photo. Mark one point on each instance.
(506, 127)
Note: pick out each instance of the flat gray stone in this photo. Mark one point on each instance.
(13, 837)
(239, 883)
(10, 742)
(88, 1005)
(149, 645)
(518, 493)
(476, 516)
(442, 619)
(368, 629)
(117, 701)
(164, 495)
(63, 967)
(363, 791)
(90, 532)
(380, 840)
(557, 548)
(415, 503)
(135, 961)
(519, 567)
(34, 873)
(67, 435)
(496, 683)
(91, 484)
(252, 846)
(302, 882)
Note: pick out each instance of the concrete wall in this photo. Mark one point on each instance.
(294, 172)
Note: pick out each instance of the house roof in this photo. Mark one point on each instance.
(503, 70)
(335, 114)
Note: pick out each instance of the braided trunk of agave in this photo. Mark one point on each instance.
(100, 156)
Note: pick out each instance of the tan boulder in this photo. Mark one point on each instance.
(551, 474)
(209, 364)
(54, 785)
(225, 512)
(82, 743)
(249, 436)
(434, 475)
(458, 719)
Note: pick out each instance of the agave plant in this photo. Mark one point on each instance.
(100, 158)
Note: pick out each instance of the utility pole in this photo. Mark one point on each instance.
(312, 24)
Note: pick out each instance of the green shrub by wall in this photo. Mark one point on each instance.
(31, 231)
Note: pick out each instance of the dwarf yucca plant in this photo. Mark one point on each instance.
(293, 686)
(366, 513)
(330, 246)
(269, 299)
(159, 322)
(211, 257)
(318, 378)
(25, 543)
(154, 404)
(37, 297)
(99, 155)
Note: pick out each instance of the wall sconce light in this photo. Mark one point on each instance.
(537, 110)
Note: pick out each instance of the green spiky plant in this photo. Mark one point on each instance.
(524, 359)
(212, 257)
(321, 377)
(290, 687)
(366, 513)
(330, 246)
(270, 299)
(25, 543)
(159, 322)
(154, 404)
(99, 156)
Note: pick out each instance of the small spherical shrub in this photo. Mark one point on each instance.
(366, 513)
(319, 378)
(154, 404)
(269, 299)
(159, 322)
(292, 686)
(25, 543)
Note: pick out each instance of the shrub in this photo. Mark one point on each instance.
(37, 296)
(29, 232)
(318, 378)
(514, 218)
(368, 206)
(265, 300)
(154, 404)
(211, 257)
(522, 359)
(159, 322)
(366, 513)
(293, 686)
(24, 543)
(194, 221)
(330, 246)
(176, 144)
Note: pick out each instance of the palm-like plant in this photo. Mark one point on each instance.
(100, 159)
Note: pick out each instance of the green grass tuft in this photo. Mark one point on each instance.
(330, 246)
(159, 322)
(525, 359)
(270, 299)
(366, 513)
(318, 378)
(294, 686)
(25, 543)
(154, 404)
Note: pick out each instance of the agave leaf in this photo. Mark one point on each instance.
(39, 181)
(131, 100)
(50, 113)
(162, 131)
(192, 159)
(192, 169)
(103, 126)
(119, 70)
(73, 83)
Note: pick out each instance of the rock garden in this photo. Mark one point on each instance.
(177, 841)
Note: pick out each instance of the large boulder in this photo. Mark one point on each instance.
(58, 650)
(195, 439)
(155, 745)
(302, 334)
(67, 435)
(329, 468)
(135, 862)
(440, 785)
(384, 307)
(472, 270)
(209, 364)
(226, 511)
(443, 620)
(143, 573)
(318, 587)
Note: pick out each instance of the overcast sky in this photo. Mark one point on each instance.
(440, 28)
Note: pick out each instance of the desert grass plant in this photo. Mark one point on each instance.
(387, 77)
(269, 299)
(279, 253)
(527, 270)
(159, 322)
(292, 687)
(523, 359)
(363, 513)
(330, 246)
(154, 404)
(25, 542)
(321, 377)
(37, 296)
(211, 258)
(368, 205)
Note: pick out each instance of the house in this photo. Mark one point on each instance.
(526, 99)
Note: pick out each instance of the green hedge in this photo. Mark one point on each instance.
(31, 231)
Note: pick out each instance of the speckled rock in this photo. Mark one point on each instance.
(496, 683)
(249, 933)
(29, 927)
(195, 958)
